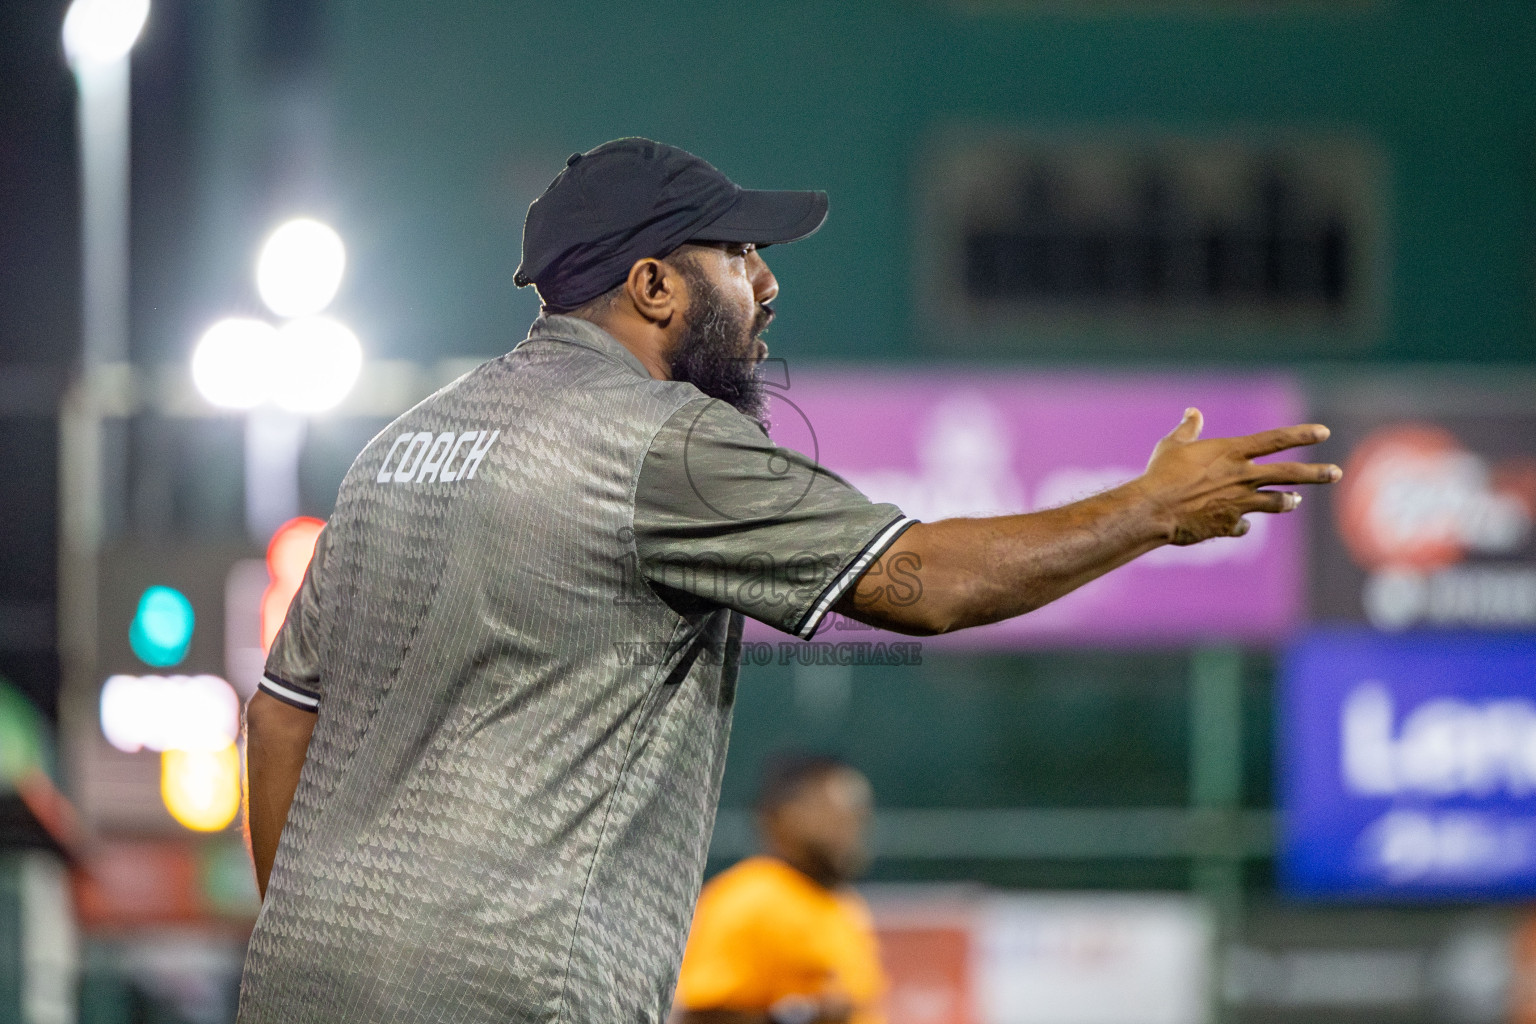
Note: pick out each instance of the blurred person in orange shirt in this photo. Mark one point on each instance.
(782, 938)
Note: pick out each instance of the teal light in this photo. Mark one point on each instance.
(162, 627)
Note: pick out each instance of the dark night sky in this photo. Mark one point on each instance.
(39, 249)
(39, 290)
(39, 282)
(39, 324)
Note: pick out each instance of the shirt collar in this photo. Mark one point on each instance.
(573, 330)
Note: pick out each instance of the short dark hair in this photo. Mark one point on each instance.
(589, 309)
(786, 775)
(682, 258)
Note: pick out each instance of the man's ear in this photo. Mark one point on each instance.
(657, 291)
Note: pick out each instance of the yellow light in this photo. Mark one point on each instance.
(201, 789)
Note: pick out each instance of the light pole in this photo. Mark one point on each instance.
(98, 35)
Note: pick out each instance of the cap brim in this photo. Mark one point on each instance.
(767, 218)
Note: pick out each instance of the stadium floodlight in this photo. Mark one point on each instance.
(233, 363)
(318, 361)
(299, 268)
(102, 31)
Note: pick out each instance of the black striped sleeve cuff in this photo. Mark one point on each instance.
(288, 693)
(845, 579)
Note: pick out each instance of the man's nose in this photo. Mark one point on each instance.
(765, 287)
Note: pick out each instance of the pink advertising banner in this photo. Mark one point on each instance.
(973, 443)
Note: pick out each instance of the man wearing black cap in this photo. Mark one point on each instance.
(587, 239)
(492, 728)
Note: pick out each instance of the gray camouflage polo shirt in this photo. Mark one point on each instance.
(520, 632)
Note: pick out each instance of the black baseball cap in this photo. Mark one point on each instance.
(630, 199)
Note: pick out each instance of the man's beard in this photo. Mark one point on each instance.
(717, 352)
(831, 869)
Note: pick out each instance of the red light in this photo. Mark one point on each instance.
(288, 555)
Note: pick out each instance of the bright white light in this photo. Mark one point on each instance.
(319, 360)
(300, 267)
(309, 365)
(102, 31)
(194, 713)
(233, 362)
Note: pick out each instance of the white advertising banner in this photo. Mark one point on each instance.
(1088, 959)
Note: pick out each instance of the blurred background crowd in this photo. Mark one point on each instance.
(1287, 777)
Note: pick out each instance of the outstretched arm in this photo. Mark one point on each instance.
(276, 740)
(955, 573)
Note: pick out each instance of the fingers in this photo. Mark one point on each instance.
(1271, 501)
(1267, 442)
(1295, 473)
(1189, 427)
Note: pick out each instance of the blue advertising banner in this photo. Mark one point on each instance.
(1408, 766)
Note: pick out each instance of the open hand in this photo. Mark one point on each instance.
(1202, 489)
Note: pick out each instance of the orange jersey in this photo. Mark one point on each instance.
(763, 931)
